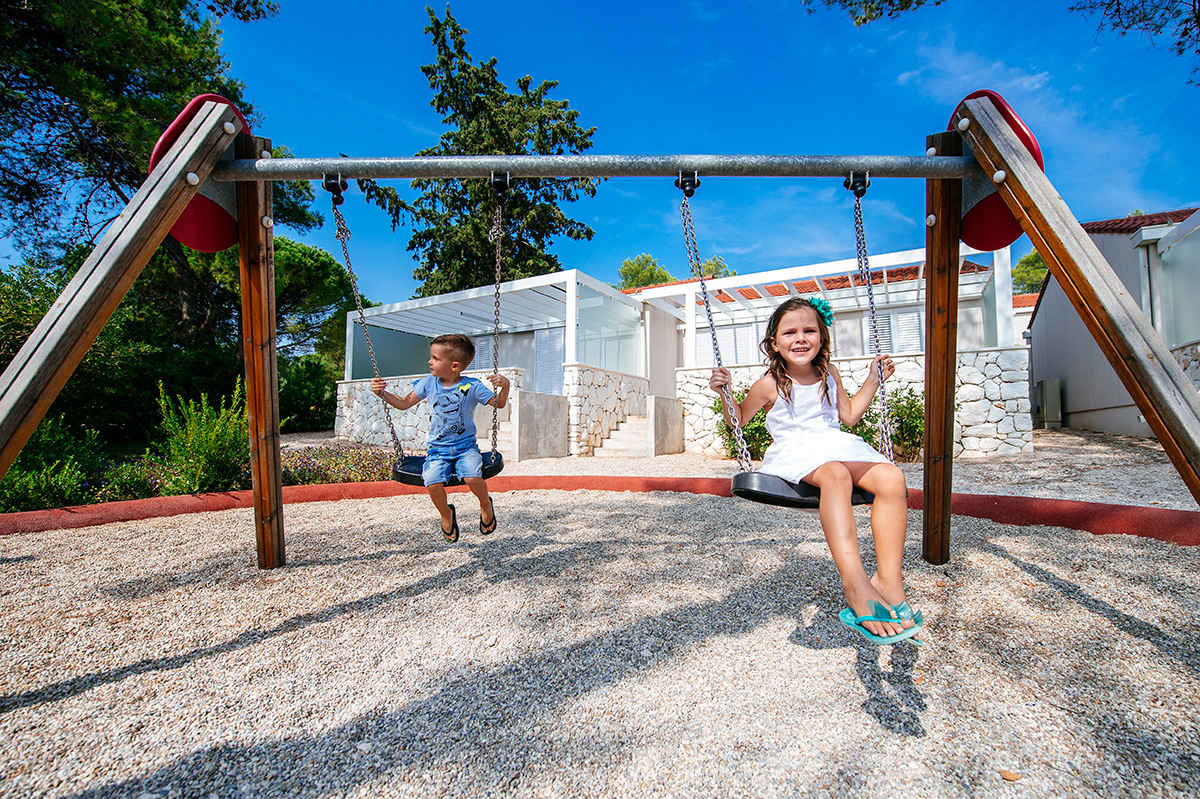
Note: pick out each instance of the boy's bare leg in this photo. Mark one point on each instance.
(437, 493)
(479, 488)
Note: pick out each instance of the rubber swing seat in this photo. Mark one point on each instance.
(407, 470)
(772, 490)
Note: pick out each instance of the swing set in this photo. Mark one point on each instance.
(210, 186)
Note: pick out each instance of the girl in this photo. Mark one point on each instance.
(802, 392)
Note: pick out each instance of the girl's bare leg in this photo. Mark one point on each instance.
(841, 534)
(889, 524)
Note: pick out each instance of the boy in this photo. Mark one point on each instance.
(452, 448)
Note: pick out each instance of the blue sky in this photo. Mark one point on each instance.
(1115, 116)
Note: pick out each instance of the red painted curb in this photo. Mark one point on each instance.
(1176, 526)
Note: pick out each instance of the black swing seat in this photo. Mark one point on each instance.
(772, 490)
(407, 470)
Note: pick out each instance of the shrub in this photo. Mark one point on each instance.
(56, 467)
(337, 464)
(139, 478)
(754, 431)
(906, 410)
(307, 393)
(205, 448)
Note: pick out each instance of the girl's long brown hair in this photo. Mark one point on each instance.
(777, 367)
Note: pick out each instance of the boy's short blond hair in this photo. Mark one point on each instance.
(460, 347)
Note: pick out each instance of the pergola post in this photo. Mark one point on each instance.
(943, 209)
(256, 259)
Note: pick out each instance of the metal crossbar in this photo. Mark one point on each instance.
(601, 166)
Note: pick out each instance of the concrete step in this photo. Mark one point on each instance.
(628, 440)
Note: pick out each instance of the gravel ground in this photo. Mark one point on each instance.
(598, 644)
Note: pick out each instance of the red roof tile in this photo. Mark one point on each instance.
(1025, 300)
(1131, 224)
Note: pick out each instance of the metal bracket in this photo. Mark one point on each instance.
(335, 185)
(688, 184)
(858, 183)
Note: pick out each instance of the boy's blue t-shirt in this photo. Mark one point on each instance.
(452, 410)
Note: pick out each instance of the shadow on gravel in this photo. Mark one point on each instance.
(1169, 646)
(893, 699)
(488, 728)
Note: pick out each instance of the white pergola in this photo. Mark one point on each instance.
(752, 297)
(531, 303)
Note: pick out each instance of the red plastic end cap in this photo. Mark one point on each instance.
(989, 225)
(209, 223)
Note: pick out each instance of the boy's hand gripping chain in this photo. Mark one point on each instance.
(688, 185)
(858, 184)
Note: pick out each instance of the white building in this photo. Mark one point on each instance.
(585, 357)
(1157, 259)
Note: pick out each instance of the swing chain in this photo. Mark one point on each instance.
(496, 236)
(689, 241)
(335, 186)
(859, 184)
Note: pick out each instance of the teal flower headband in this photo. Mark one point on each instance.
(819, 305)
(823, 310)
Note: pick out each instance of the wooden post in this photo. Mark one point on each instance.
(943, 202)
(256, 257)
(1138, 354)
(34, 377)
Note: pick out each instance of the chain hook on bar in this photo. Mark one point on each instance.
(688, 184)
(335, 185)
(858, 183)
(501, 185)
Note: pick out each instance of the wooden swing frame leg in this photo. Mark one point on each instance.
(256, 261)
(943, 202)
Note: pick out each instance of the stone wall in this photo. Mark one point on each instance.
(360, 414)
(1189, 359)
(597, 401)
(992, 390)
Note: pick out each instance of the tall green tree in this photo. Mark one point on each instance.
(1029, 275)
(716, 267)
(86, 87)
(1177, 20)
(642, 270)
(451, 218)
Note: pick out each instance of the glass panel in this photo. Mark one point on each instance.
(549, 346)
(607, 335)
(1181, 285)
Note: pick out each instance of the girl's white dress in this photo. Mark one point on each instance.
(806, 434)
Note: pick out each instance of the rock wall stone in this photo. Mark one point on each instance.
(1189, 360)
(992, 391)
(360, 414)
(597, 401)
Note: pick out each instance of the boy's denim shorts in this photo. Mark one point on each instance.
(442, 464)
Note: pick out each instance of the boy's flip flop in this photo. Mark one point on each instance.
(488, 529)
(452, 534)
(884, 613)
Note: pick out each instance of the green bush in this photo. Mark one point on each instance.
(906, 409)
(53, 486)
(56, 467)
(754, 431)
(307, 393)
(337, 464)
(204, 448)
(139, 478)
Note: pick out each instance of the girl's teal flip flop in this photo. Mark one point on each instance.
(883, 613)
